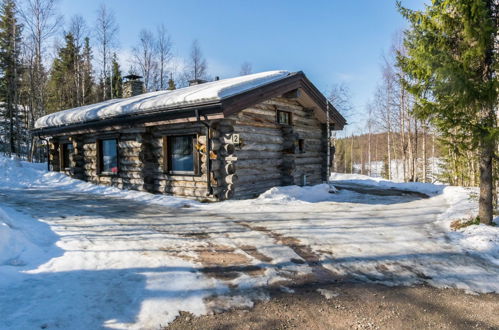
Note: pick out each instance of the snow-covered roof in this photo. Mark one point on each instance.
(198, 94)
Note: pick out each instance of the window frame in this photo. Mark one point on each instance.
(290, 117)
(167, 161)
(63, 166)
(100, 155)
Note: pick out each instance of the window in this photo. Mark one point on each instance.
(180, 155)
(301, 146)
(108, 156)
(67, 150)
(283, 117)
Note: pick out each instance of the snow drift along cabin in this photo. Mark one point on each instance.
(230, 138)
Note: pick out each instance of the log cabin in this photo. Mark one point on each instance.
(229, 138)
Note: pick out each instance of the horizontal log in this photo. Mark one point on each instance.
(257, 187)
(261, 138)
(309, 161)
(130, 152)
(255, 179)
(243, 120)
(129, 144)
(246, 117)
(283, 104)
(186, 184)
(248, 128)
(260, 111)
(253, 146)
(258, 163)
(181, 191)
(257, 154)
(257, 171)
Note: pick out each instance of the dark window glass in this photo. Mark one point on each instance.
(284, 117)
(301, 145)
(109, 156)
(67, 151)
(181, 153)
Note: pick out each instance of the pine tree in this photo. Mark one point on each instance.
(451, 63)
(87, 83)
(10, 41)
(171, 84)
(117, 79)
(62, 83)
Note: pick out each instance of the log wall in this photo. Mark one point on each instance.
(267, 156)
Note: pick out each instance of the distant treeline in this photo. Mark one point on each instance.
(358, 154)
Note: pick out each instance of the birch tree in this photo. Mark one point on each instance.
(41, 22)
(197, 68)
(106, 30)
(246, 68)
(164, 54)
(144, 58)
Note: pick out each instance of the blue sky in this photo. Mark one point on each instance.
(331, 41)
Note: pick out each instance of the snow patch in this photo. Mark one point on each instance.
(309, 194)
(328, 294)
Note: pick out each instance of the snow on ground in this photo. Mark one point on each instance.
(429, 189)
(21, 174)
(462, 204)
(122, 259)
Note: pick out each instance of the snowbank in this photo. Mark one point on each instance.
(21, 174)
(24, 243)
(481, 240)
(310, 194)
(210, 91)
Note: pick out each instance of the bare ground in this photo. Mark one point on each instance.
(358, 306)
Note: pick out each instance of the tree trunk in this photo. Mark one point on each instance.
(351, 154)
(424, 153)
(369, 171)
(485, 206)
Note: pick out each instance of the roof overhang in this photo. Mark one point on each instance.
(310, 97)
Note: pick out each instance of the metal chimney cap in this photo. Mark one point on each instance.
(132, 77)
(196, 82)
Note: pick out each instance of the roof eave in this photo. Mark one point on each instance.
(135, 119)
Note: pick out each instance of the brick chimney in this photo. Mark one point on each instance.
(133, 85)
